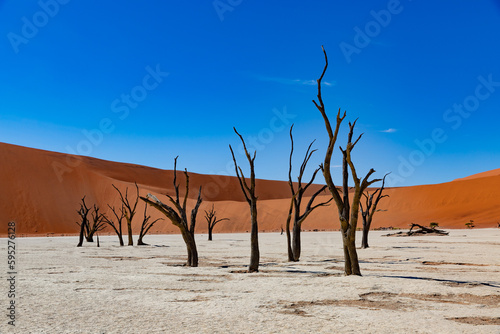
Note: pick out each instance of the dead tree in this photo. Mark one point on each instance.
(129, 210)
(294, 245)
(178, 215)
(348, 212)
(212, 220)
(84, 222)
(369, 211)
(98, 224)
(117, 226)
(251, 198)
(145, 226)
(425, 230)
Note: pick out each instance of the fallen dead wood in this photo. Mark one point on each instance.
(422, 230)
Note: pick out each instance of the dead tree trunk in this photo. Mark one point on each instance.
(98, 224)
(348, 214)
(84, 222)
(368, 212)
(251, 198)
(212, 220)
(129, 210)
(117, 226)
(178, 216)
(145, 226)
(297, 194)
(287, 229)
(425, 230)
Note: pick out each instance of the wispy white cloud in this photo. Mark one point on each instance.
(287, 81)
(391, 130)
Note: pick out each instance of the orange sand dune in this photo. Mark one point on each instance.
(41, 191)
(494, 172)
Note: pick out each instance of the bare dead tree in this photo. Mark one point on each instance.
(211, 217)
(348, 212)
(369, 211)
(425, 230)
(251, 198)
(98, 223)
(294, 245)
(146, 226)
(84, 222)
(116, 225)
(129, 210)
(178, 215)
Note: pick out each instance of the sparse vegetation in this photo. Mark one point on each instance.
(89, 228)
(294, 245)
(368, 212)
(433, 225)
(98, 223)
(83, 212)
(178, 215)
(146, 226)
(470, 224)
(422, 230)
(211, 217)
(347, 210)
(116, 225)
(129, 210)
(251, 198)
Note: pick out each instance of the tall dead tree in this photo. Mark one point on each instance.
(83, 212)
(116, 225)
(369, 211)
(178, 215)
(97, 224)
(146, 226)
(294, 243)
(251, 198)
(348, 212)
(212, 220)
(129, 210)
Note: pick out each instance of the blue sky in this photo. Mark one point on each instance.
(143, 82)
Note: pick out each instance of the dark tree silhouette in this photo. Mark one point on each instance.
(83, 212)
(294, 244)
(348, 212)
(116, 225)
(97, 224)
(145, 226)
(211, 217)
(178, 215)
(251, 198)
(369, 211)
(129, 210)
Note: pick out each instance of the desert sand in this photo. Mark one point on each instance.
(426, 284)
(42, 190)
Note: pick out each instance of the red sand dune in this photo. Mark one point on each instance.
(41, 191)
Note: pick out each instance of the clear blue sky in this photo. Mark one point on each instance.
(148, 81)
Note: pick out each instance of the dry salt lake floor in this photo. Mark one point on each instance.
(424, 284)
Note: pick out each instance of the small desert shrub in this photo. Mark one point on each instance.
(470, 224)
(433, 225)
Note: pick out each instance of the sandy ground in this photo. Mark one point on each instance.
(437, 284)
